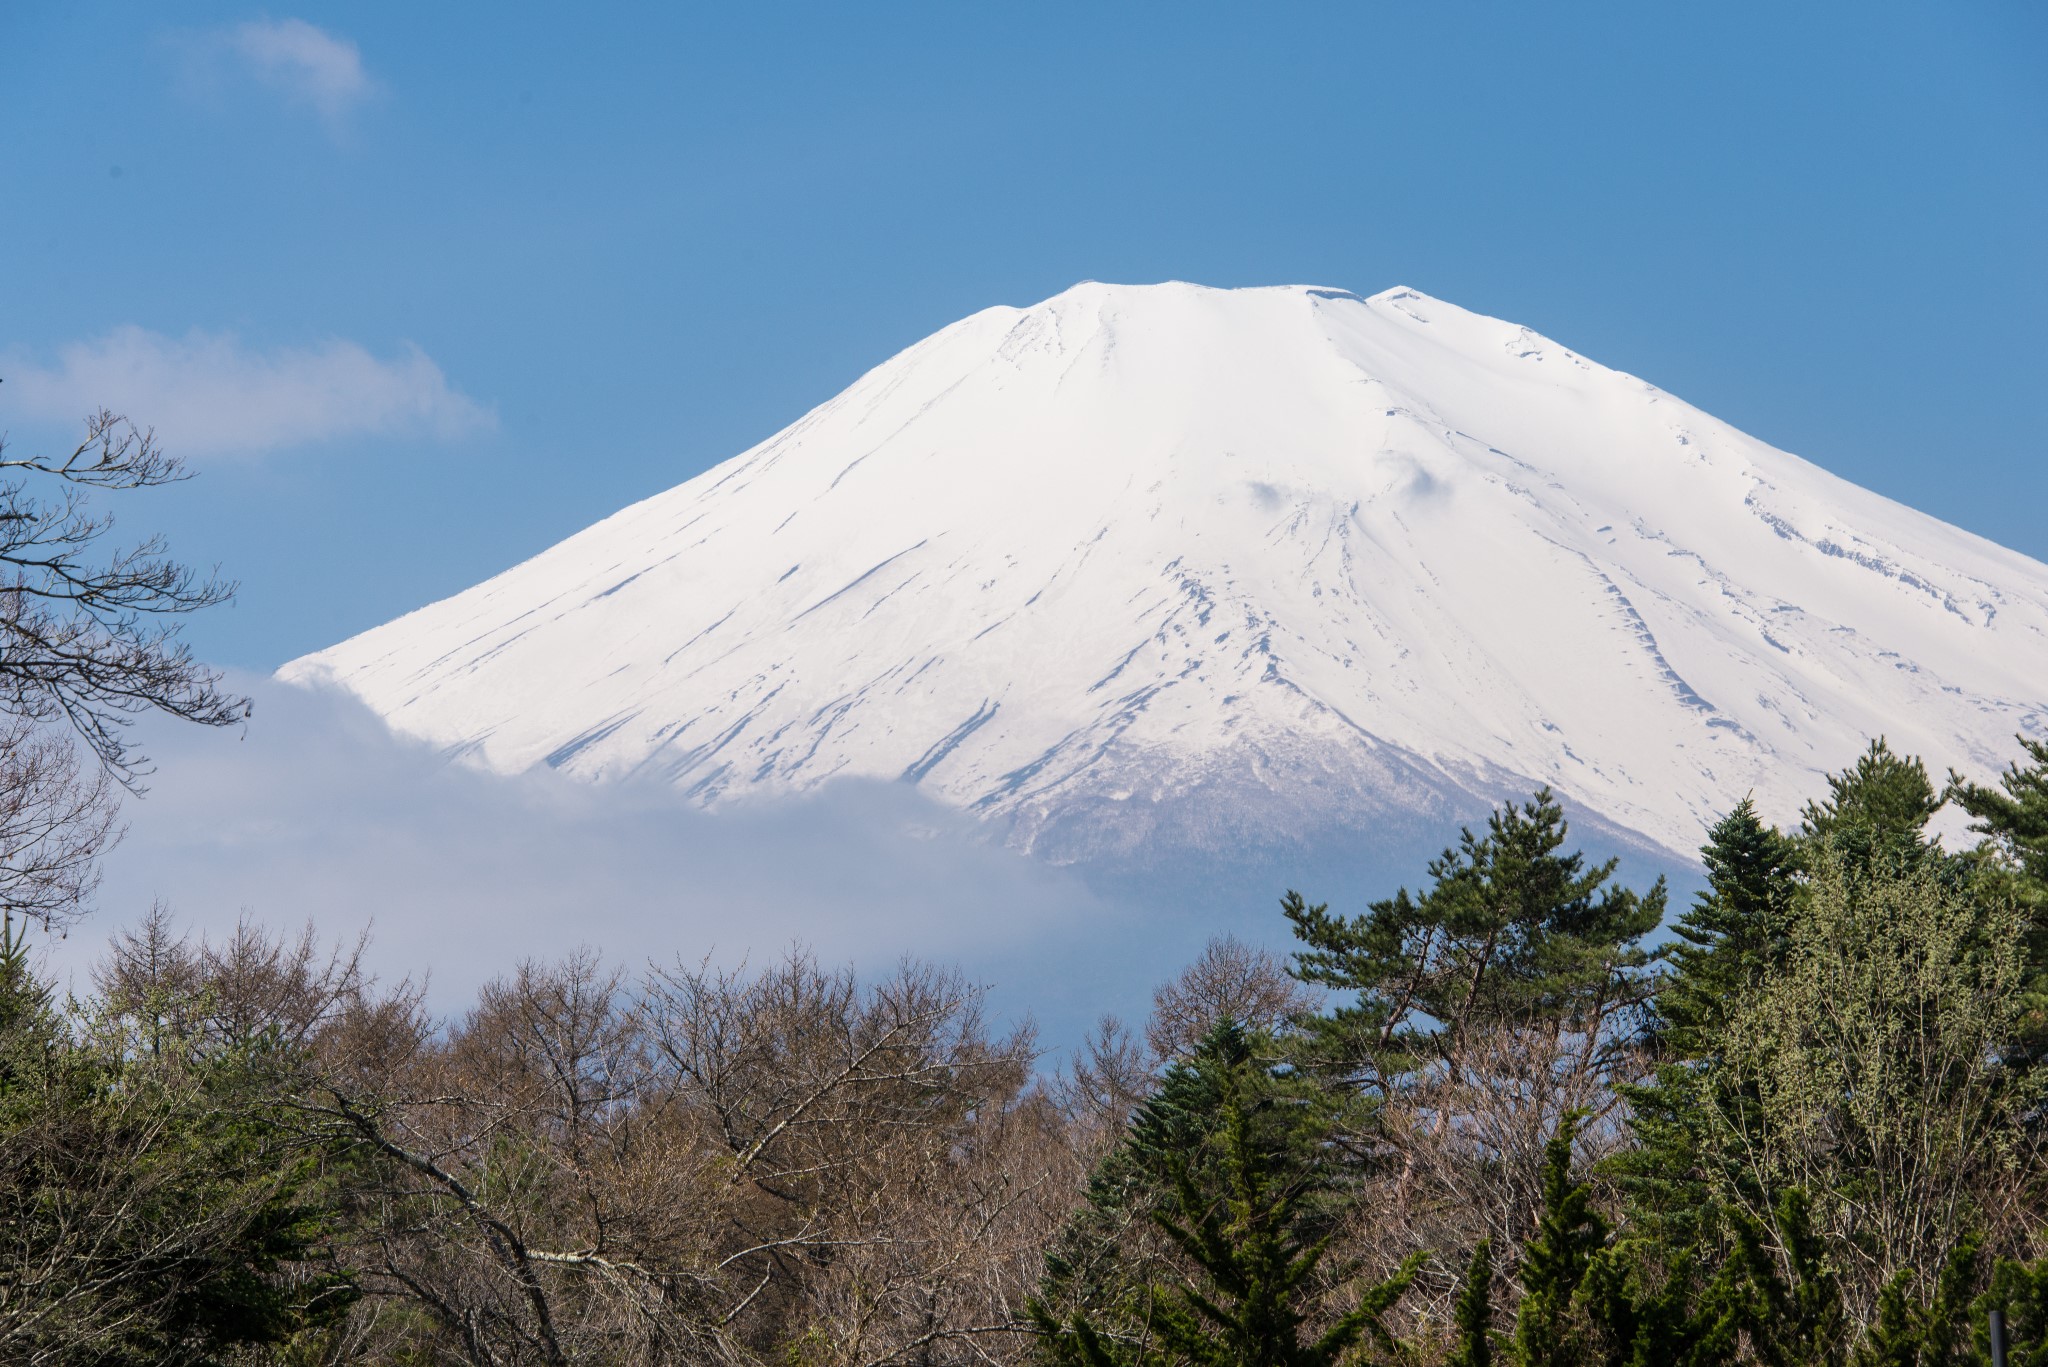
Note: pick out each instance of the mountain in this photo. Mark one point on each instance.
(1151, 568)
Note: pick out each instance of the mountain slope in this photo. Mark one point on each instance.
(1164, 565)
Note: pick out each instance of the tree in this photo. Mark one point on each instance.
(1868, 1072)
(1510, 992)
(1232, 1163)
(2013, 816)
(1730, 941)
(54, 824)
(159, 1205)
(1876, 810)
(1569, 1235)
(1472, 1317)
(90, 639)
(721, 1167)
(1734, 934)
(2013, 819)
(1231, 980)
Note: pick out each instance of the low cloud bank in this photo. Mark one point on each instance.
(318, 813)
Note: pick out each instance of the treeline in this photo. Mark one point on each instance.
(1494, 1120)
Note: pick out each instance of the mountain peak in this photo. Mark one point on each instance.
(1153, 565)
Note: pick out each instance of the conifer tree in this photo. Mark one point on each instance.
(157, 1208)
(1876, 810)
(2020, 1291)
(1800, 1320)
(1569, 1234)
(1510, 933)
(2014, 816)
(1233, 1166)
(1472, 1316)
(1733, 936)
(2013, 819)
(1907, 1333)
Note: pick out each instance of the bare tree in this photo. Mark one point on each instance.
(54, 824)
(716, 1167)
(1231, 979)
(89, 637)
(1108, 1075)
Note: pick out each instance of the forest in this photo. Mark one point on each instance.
(1517, 1114)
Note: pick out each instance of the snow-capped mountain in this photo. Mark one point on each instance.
(1172, 564)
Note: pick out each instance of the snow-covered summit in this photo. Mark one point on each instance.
(1165, 562)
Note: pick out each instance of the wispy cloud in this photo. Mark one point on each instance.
(207, 394)
(307, 65)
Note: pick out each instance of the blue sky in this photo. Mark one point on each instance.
(422, 289)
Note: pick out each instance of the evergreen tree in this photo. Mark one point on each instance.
(1876, 810)
(1569, 1235)
(1936, 1334)
(158, 1209)
(1511, 933)
(2013, 818)
(1799, 1320)
(1736, 933)
(1590, 1301)
(1733, 934)
(1111, 1249)
(2020, 1290)
(1234, 1167)
(1472, 1317)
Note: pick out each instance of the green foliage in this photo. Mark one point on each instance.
(1735, 933)
(2013, 818)
(2021, 1291)
(1798, 1317)
(159, 1207)
(1510, 933)
(1876, 811)
(1472, 1317)
(1834, 1101)
(1908, 1333)
(1734, 937)
(1569, 1234)
(1866, 1071)
(1233, 1163)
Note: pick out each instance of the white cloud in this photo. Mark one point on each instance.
(207, 394)
(307, 65)
(319, 813)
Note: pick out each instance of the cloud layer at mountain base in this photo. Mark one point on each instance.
(318, 813)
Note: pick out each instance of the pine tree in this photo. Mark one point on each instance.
(1472, 1317)
(2014, 816)
(1511, 933)
(1733, 934)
